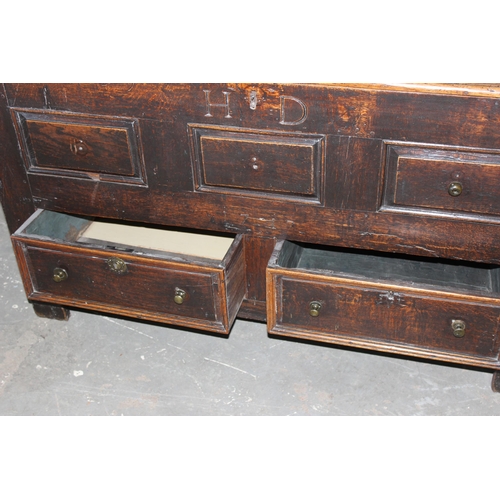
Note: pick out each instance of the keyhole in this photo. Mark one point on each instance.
(79, 148)
(253, 99)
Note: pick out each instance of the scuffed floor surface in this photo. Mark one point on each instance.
(97, 365)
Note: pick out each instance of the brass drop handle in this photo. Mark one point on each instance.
(458, 327)
(314, 308)
(179, 296)
(455, 189)
(117, 265)
(59, 274)
(79, 148)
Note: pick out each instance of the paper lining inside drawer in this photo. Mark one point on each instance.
(199, 245)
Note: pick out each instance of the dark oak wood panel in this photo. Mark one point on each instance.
(15, 192)
(392, 232)
(372, 112)
(408, 170)
(255, 163)
(384, 314)
(442, 179)
(355, 299)
(90, 280)
(353, 173)
(69, 144)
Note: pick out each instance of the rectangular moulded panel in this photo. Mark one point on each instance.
(258, 162)
(77, 145)
(442, 180)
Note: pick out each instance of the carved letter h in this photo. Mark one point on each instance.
(210, 105)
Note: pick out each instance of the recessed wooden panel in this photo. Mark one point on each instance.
(442, 180)
(80, 145)
(258, 163)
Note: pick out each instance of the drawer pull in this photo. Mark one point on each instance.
(117, 265)
(314, 308)
(59, 275)
(458, 327)
(179, 296)
(455, 189)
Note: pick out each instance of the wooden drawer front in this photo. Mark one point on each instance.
(81, 145)
(61, 261)
(423, 307)
(253, 162)
(442, 180)
(145, 286)
(380, 313)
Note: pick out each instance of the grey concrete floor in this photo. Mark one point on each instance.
(100, 365)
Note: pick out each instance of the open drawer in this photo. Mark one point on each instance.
(435, 309)
(177, 277)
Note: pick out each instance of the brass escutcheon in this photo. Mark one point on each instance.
(79, 148)
(314, 308)
(455, 189)
(59, 274)
(179, 296)
(458, 327)
(117, 265)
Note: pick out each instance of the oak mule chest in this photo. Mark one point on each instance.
(350, 214)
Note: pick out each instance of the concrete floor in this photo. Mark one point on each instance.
(99, 365)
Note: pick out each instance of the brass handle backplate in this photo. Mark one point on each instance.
(117, 265)
(59, 274)
(180, 296)
(314, 308)
(458, 327)
(455, 189)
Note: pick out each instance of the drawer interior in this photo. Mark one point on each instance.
(448, 275)
(140, 239)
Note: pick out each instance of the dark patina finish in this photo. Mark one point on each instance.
(361, 215)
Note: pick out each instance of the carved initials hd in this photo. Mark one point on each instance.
(253, 105)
